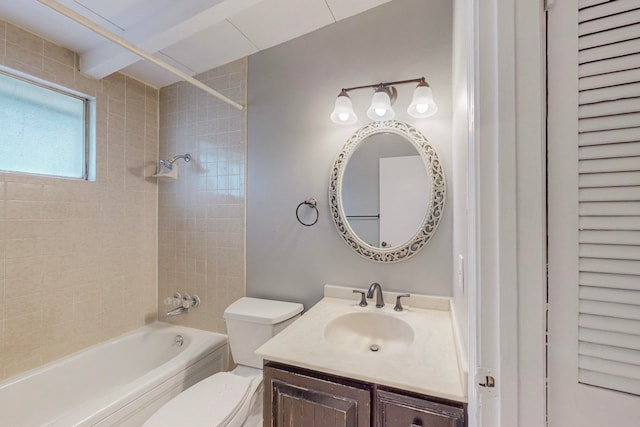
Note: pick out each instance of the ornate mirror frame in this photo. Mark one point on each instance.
(434, 209)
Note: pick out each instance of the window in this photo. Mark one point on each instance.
(45, 130)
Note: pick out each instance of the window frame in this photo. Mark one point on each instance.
(89, 119)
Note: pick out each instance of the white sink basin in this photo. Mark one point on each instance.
(374, 333)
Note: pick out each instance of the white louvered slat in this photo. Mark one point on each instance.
(631, 90)
(626, 370)
(620, 121)
(621, 296)
(615, 339)
(628, 47)
(610, 209)
(623, 311)
(612, 21)
(615, 35)
(610, 108)
(618, 281)
(610, 353)
(612, 179)
(609, 195)
(613, 382)
(610, 251)
(588, 3)
(609, 137)
(607, 9)
(609, 79)
(614, 266)
(622, 164)
(612, 65)
(609, 151)
(609, 237)
(611, 324)
(609, 223)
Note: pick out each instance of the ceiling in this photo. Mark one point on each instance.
(192, 35)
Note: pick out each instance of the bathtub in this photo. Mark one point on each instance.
(117, 383)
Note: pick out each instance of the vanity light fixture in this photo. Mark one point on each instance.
(422, 104)
(380, 108)
(343, 110)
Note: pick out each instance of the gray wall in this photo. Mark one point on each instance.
(292, 145)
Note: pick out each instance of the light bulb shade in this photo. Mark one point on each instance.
(343, 113)
(422, 105)
(380, 108)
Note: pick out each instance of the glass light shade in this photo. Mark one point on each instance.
(380, 108)
(422, 105)
(343, 113)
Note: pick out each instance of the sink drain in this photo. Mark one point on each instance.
(374, 347)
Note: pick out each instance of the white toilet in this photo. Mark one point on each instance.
(232, 399)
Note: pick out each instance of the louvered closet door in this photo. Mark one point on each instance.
(594, 213)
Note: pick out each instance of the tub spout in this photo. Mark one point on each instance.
(176, 312)
(184, 303)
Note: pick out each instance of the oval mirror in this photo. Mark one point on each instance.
(387, 191)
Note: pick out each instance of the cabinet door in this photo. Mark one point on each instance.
(293, 399)
(396, 410)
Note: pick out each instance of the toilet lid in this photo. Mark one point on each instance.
(211, 402)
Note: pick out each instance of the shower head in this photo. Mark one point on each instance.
(169, 163)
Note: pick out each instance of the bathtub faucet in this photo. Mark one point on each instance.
(176, 312)
(183, 302)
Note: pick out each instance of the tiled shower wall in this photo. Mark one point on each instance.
(201, 241)
(78, 258)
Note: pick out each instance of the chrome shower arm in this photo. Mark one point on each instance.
(186, 157)
(169, 163)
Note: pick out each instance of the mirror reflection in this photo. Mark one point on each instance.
(416, 189)
(385, 190)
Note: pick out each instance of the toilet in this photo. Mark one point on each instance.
(232, 399)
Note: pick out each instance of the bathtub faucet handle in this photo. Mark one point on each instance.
(186, 300)
(177, 299)
(189, 301)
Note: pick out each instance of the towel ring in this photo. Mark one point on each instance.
(309, 202)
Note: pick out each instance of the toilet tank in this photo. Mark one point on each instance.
(253, 321)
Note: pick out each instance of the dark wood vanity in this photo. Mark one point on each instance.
(295, 397)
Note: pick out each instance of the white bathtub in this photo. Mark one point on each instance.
(117, 383)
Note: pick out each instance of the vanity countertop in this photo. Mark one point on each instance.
(428, 366)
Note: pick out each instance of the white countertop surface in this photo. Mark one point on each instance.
(429, 366)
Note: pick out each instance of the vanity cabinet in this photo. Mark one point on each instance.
(394, 409)
(295, 397)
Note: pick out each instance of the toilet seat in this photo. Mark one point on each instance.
(222, 399)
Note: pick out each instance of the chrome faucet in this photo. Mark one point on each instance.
(184, 303)
(176, 312)
(379, 298)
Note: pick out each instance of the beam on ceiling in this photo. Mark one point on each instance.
(178, 22)
(134, 49)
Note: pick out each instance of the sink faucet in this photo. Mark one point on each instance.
(379, 298)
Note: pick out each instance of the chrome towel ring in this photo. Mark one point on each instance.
(313, 203)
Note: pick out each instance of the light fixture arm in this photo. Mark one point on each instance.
(386, 84)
